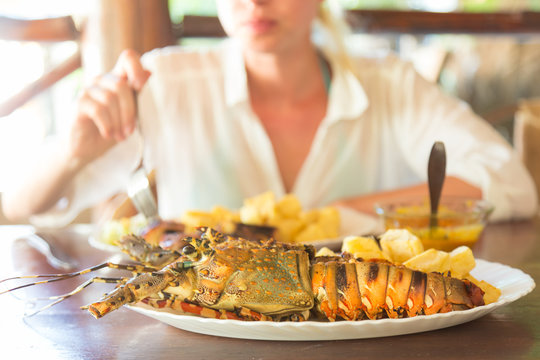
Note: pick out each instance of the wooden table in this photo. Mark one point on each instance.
(66, 332)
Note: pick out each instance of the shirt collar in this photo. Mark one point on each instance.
(347, 98)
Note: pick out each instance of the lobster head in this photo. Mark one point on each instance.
(229, 273)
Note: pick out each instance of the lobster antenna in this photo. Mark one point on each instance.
(60, 298)
(58, 277)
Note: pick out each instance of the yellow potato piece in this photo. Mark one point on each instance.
(224, 219)
(352, 244)
(329, 221)
(400, 245)
(251, 215)
(461, 261)
(222, 213)
(324, 251)
(310, 233)
(363, 247)
(292, 223)
(429, 261)
(491, 293)
(289, 206)
(369, 255)
(258, 209)
(310, 216)
(193, 219)
(288, 229)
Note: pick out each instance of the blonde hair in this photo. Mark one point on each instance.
(331, 30)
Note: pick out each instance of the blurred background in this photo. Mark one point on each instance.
(486, 52)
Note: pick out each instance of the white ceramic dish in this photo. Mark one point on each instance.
(98, 244)
(352, 223)
(513, 283)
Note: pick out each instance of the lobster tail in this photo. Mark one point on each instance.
(353, 289)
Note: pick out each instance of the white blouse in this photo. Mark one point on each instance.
(209, 148)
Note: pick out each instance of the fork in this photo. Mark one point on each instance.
(138, 188)
(56, 257)
(140, 193)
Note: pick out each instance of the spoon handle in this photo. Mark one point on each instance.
(436, 175)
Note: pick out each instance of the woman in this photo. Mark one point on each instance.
(269, 110)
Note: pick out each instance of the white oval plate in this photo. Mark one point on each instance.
(513, 283)
(352, 223)
(98, 244)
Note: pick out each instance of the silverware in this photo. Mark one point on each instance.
(139, 189)
(140, 193)
(436, 175)
(56, 257)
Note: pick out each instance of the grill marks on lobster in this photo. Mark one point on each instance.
(232, 278)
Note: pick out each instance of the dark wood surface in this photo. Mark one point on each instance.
(399, 22)
(66, 332)
(423, 22)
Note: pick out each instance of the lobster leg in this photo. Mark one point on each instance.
(175, 303)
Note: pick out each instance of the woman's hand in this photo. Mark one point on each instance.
(106, 114)
(107, 110)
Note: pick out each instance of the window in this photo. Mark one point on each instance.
(22, 131)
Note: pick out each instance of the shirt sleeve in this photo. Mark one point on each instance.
(97, 182)
(476, 152)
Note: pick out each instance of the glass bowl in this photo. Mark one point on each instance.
(460, 221)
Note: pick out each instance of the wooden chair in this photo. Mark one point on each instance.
(527, 137)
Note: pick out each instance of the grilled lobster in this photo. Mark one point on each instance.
(225, 277)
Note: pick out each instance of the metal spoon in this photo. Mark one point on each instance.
(436, 175)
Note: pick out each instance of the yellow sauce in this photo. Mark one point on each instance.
(453, 230)
(447, 239)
